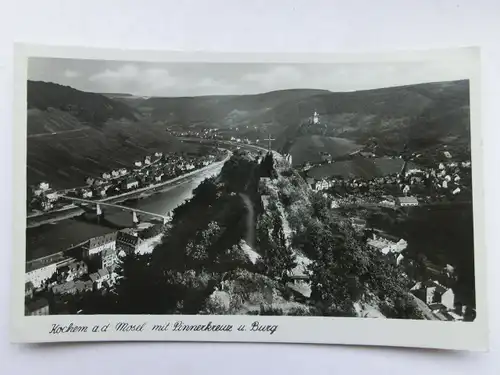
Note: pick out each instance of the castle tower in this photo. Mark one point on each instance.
(315, 118)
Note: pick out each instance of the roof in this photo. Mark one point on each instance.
(64, 288)
(94, 277)
(433, 284)
(81, 285)
(108, 252)
(44, 262)
(101, 240)
(37, 304)
(301, 288)
(411, 200)
(130, 231)
(380, 245)
(103, 272)
(358, 220)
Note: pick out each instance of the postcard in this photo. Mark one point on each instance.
(293, 198)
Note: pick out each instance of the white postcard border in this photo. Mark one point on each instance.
(321, 330)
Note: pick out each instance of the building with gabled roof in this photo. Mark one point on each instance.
(433, 293)
(406, 201)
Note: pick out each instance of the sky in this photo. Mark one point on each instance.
(194, 79)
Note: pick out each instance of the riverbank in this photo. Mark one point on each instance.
(72, 210)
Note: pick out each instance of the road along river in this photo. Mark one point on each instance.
(50, 238)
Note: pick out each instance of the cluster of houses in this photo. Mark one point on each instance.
(43, 197)
(209, 133)
(387, 200)
(447, 176)
(445, 179)
(440, 300)
(389, 247)
(154, 169)
(89, 267)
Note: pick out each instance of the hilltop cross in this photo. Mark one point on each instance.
(270, 139)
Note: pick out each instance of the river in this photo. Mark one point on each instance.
(51, 238)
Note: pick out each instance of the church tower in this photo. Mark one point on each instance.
(402, 173)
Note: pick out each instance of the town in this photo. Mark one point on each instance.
(91, 266)
(84, 268)
(153, 171)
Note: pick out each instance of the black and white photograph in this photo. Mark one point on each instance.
(259, 188)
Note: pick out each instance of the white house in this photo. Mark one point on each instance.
(390, 249)
(38, 275)
(407, 201)
(86, 194)
(99, 244)
(447, 154)
(42, 187)
(456, 191)
(100, 277)
(138, 163)
(52, 197)
(39, 270)
(322, 185)
(130, 184)
(115, 173)
(103, 191)
(435, 294)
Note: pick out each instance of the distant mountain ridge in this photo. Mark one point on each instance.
(93, 109)
(419, 115)
(85, 133)
(73, 134)
(224, 110)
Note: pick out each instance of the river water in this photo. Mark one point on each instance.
(51, 238)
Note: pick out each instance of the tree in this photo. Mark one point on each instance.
(140, 288)
(267, 166)
(199, 248)
(206, 191)
(277, 258)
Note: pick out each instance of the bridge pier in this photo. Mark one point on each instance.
(98, 210)
(135, 219)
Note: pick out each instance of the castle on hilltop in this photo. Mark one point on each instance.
(314, 120)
